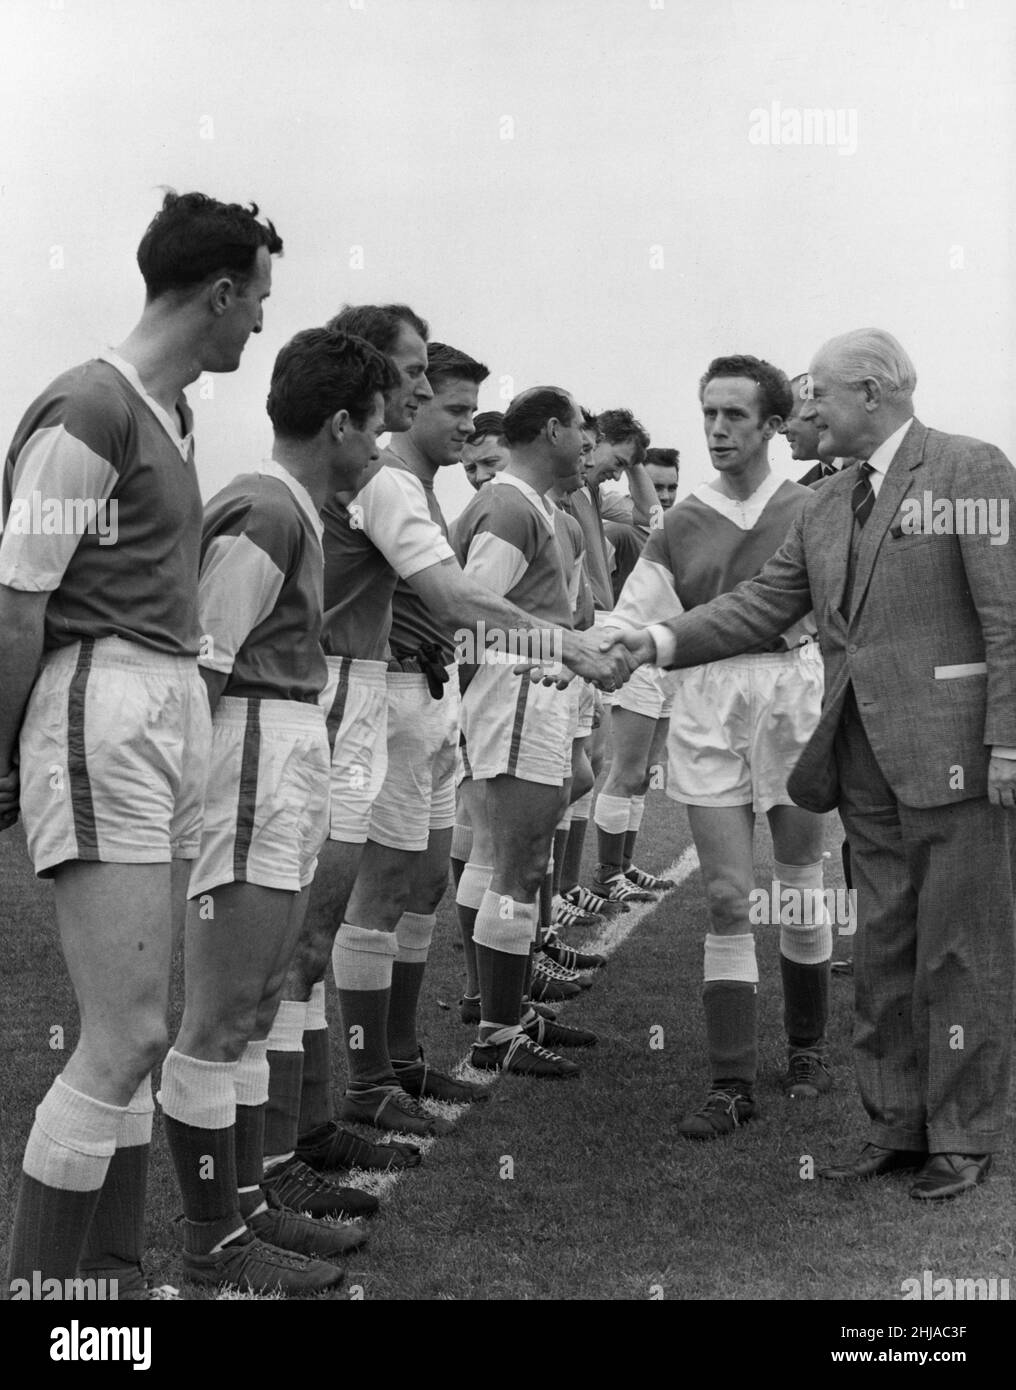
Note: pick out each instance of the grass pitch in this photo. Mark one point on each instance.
(583, 1190)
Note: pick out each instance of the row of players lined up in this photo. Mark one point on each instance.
(300, 792)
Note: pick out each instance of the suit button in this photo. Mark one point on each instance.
(852, 647)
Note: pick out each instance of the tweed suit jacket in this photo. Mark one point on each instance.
(929, 642)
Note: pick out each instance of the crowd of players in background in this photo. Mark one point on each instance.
(305, 793)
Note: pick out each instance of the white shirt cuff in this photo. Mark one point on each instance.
(998, 752)
(666, 643)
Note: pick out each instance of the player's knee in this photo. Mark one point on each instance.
(235, 1033)
(309, 965)
(582, 781)
(528, 880)
(631, 781)
(143, 1042)
(431, 889)
(264, 1014)
(272, 992)
(221, 1032)
(390, 902)
(727, 901)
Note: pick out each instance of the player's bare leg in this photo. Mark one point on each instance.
(619, 806)
(724, 840)
(115, 930)
(239, 940)
(806, 947)
(466, 796)
(321, 1142)
(473, 883)
(555, 912)
(525, 814)
(578, 822)
(114, 1245)
(364, 959)
(654, 763)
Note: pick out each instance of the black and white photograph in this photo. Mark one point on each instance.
(508, 665)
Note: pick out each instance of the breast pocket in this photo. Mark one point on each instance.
(899, 543)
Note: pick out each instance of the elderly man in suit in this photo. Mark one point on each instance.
(906, 561)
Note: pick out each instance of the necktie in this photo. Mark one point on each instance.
(862, 499)
(828, 469)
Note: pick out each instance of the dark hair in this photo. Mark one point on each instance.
(664, 458)
(194, 238)
(589, 423)
(529, 412)
(446, 363)
(775, 395)
(320, 371)
(380, 324)
(619, 426)
(487, 422)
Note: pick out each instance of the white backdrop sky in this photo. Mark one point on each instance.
(566, 189)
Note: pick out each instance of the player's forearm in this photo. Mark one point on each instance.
(22, 625)
(643, 495)
(467, 602)
(731, 624)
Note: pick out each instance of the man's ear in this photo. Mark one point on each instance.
(339, 425)
(220, 292)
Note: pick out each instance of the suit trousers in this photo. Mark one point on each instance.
(934, 958)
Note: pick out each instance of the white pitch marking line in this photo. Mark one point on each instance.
(615, 932)
(612, 935)
(609, 938)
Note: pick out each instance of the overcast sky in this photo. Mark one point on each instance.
(600, 194)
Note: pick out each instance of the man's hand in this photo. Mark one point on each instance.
(9, 796)
(541, 673)
(604, 664)
(1002, 782)
(636, 641)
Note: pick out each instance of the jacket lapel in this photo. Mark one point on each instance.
(895, 487)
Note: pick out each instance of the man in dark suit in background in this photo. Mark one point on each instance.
(802, 435)
(905, 559)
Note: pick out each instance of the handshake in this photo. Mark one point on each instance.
(604, 657)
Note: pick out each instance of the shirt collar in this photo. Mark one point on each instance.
(742, 512)
(545, 508)
(886, 451)
(130, 374)
(272, 469)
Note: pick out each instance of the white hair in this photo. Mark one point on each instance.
(872, 352)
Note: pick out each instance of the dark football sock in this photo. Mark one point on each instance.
(805, 1001)
(731, 1031)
